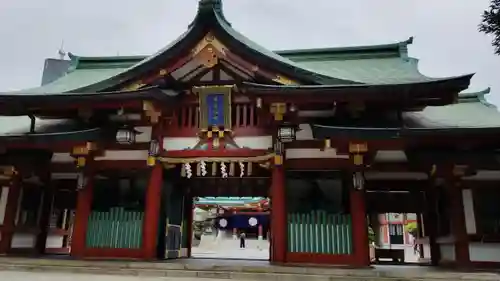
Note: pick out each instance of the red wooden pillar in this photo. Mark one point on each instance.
(152, 212)
(361, 250)
(458, 228)
(278, 215)
(83, 210)
(10, 216)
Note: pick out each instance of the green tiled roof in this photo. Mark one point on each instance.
(471, 111)
(376, 64)
(86, 71)
(386, 70)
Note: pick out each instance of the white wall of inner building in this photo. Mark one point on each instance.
(179, 143)
(260, 142)
(4, 193)
(23, 240)
(484, 252)
(470, 219)
(123, 155)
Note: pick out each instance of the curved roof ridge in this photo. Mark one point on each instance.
(105, 58)
(292, 66)
(89, 62)
(475, 94)
(477, 97)
(377, 47)
(392, 46)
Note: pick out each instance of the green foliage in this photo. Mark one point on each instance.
(490, 23)
(412, 228)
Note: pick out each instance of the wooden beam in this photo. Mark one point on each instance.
(215, 153)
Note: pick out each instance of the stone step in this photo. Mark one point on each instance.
(235, 272)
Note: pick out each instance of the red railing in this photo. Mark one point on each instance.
(245, 120)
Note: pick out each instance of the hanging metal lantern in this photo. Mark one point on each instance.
(125, 135)
(81, 180)
(358, 181)
(287, 132)
(154, 148)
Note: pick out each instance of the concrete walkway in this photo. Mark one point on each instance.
(51, 276)
(236, 270)
(228, 248)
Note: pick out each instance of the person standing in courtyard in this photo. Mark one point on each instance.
(242, 240)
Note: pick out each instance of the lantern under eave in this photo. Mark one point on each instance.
(287, 132)
(125, 135)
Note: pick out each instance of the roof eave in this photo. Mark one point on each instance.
(325, 132)
(393, 47)
(22, 103)
(436, 88)
(90, 135)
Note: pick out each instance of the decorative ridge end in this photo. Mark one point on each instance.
(485, 91)
(210, 8)
(72, 56)
(74, 61)
(403, 48)
(209, 3)
(475, 97)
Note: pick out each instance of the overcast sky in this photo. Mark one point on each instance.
(446, 38)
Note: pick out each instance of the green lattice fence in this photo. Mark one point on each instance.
(320, 232)
(116, 228)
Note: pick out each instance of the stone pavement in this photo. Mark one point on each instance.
(231, 269)
(51, 276)
(231, 253)
(230, 249)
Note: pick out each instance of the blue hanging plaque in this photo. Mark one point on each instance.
(215, 110)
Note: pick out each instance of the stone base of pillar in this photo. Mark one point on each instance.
(235, 237)
(260, 238)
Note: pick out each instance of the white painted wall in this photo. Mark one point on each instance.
(261, 142)
(489, 252)
(179, 143)
(123, 155)
(304, 133)
(23, 240)
(485, 175)
(297, 153)
(54, 241)
(427, 251)
(4, 193)
(144, 134)
(62, 157)
(470, 219)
